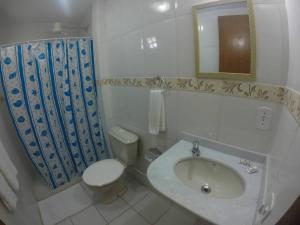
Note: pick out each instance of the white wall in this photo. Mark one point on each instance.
(27, 210)
(284, 178)
(125, 52)
(32, 31)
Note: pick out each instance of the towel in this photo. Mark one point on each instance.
(8, 169)
(157, 114)
(7, 195)
(9, 183)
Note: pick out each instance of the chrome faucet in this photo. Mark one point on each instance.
(195, 150)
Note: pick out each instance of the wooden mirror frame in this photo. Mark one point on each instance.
(223, 75)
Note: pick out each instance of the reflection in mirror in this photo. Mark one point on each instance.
(224, 40)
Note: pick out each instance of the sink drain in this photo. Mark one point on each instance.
(206, 189)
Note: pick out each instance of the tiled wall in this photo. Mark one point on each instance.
(11, 33)
(122, 29)
(27, 212)
(129, 24)
(284, 177)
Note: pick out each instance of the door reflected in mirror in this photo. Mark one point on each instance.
(225, 43)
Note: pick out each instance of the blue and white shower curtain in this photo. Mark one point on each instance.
(50, 89)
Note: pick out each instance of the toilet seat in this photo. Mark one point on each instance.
(103, 172)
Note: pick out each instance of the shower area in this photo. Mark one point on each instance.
(49, 93)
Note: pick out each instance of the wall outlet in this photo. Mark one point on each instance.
(263, 117)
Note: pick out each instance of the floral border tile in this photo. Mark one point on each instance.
(292, 102)
(222, 87)
(259, 91)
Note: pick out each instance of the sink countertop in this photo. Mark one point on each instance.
(236, 211)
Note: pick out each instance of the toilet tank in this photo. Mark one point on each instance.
(124, 145)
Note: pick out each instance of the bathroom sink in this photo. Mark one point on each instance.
(214, 186)
(210, 177)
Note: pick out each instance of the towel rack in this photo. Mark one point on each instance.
(163, 81)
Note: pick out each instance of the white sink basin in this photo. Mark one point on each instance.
(210, 177)
(235, 193)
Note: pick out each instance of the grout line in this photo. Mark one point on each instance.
(118, 216)
(140, 215)
(100, 213)
(69, 218)
(163, 215)
(145, 217)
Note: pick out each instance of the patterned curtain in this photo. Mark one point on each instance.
(50, 90)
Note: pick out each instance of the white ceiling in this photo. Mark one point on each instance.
(40, 11)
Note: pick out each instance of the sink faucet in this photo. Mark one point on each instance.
(195, 150)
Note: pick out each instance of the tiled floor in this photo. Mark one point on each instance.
(139, 206)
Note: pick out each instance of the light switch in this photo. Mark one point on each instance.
(263, 117)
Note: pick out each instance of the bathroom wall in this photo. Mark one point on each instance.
(32, 31)
(123, 28)
(284, 179)
(27, 212)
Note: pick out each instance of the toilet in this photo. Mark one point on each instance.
(104, 180)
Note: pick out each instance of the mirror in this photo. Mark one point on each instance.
(225, 40)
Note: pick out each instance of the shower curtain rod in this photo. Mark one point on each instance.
(47, 39)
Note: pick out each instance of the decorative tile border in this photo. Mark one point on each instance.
(292, 102)
(265, 92)
(221, 87)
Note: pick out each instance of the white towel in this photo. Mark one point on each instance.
(157, 114)
(9, 183)
(8, 169)
(8, 197)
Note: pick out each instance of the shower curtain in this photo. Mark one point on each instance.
(50, 90)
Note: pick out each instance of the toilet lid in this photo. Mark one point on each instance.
(103, 172)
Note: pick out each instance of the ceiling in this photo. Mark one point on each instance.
(40, 11)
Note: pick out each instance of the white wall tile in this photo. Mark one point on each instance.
(198, 113)
(183, 7)
(238, 125)
(130, 11)
(160, 53)
(268, 1)
(106, 102)
(270, 43)
(155, 11)
(293, 8)
(112, 18)
(185, 45)
(134, 53)
(115, 57)
(283, 177)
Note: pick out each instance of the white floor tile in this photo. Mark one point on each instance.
(65, 222)
(89, 216)
(177, 216)
(152, 207)
(130, 217)
(64, 204)
(112, 210)
(135, 192)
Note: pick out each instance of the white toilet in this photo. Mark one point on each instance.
(103, 180)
